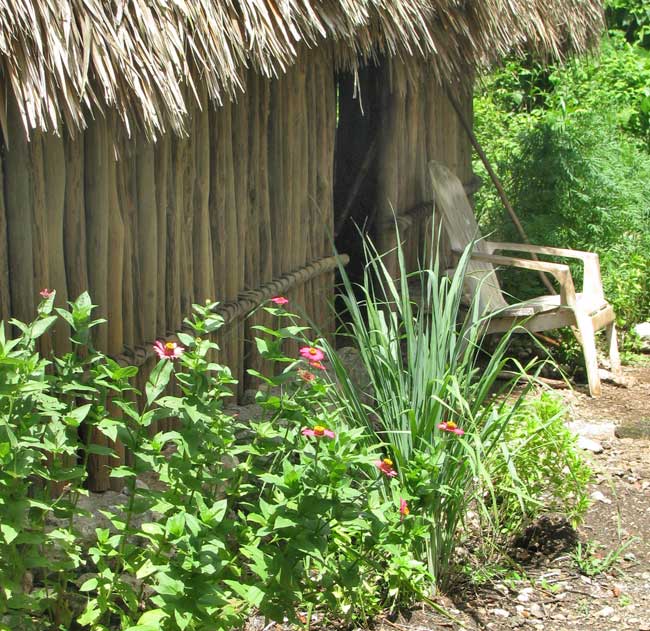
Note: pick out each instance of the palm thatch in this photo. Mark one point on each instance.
(65, 59)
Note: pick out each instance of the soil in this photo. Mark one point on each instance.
(547, 590)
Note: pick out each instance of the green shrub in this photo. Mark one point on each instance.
(571, 146)
(538, 468)
(286, 514)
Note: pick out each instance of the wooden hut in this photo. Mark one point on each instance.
(160, 153)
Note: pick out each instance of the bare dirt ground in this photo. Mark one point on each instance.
(548, 591)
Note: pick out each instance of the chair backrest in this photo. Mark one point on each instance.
(460, 224)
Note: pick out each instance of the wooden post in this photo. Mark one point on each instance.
(97, 177)
(5, 300)
(19, 202)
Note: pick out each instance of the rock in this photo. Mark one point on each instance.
(597, 496)
(501, 613)
(536, 611)
(643, 330)
(589, 445)
(639, 429)
(502, 589)
(595, 431)
(605, 612)
(523, 598)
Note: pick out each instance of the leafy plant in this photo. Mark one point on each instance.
(538, 468)
(590, 563)
(435, 403)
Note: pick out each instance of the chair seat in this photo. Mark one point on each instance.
(542, 304)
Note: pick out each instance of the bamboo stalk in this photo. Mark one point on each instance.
(174, 236)
(186, 201)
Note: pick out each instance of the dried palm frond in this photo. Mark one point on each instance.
(63, 60)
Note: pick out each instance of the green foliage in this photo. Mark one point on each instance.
(273, 515)
(427, 377)
(571, 146)
(590, 563)
(631, 17)
(538, 468)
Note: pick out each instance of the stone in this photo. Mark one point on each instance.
(589, 445)
(356, 371)
(605, 612)
(597, 496)
(596, 431)
(639, 429)
(643, 330)
(501, 613)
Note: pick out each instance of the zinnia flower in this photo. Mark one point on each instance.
(305, 375)
(46, 293)
(279, 300)
(169, 350)
(403, 508)
(312, 353)
(386, 467)
(317, 365)
(318, 432)
(450, 426)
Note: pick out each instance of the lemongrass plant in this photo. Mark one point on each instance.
(438, 401)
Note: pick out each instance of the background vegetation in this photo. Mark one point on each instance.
(572, 146)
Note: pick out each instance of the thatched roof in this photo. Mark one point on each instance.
(63, 59)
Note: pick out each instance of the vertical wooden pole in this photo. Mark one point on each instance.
(74, 218)
(97, 156)
(19, 202)
(5, 296)
(55, 179)
(203, 264)
(162, 175)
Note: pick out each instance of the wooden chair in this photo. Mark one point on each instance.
(588, 310)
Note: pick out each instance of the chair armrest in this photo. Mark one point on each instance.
(592, 282)
(558, 270)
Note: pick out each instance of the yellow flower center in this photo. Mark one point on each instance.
(388, 462)
(451, 425)
(170, 346)
(406, 510)
(319, 430)
(313, 351)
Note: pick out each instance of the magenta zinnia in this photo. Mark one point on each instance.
(312, 353)
(168, 350)
(386, 467)
(403, 508)
(46, 293)
(450, 426)
(279, 300)
(318, 432)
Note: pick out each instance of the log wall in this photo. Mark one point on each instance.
(148, 229)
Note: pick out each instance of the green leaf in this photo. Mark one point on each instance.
(122, 472)
(9, 532)
(283, 522)
(41, 326)
(158, 379)
(149, 621)
(89, 585)
(175, 525)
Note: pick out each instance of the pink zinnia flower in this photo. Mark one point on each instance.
(305, 375)
(317, 365)
(169, 350)
(386, 467)
(450, 426)
(46, 293)
(318, 432)
(312, 353)
(279, 300)
(403, 508)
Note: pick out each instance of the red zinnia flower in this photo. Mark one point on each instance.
(317, 365)
(312, 353)
(318, 432)
(403, 508)
(169, 350)
(46, 293)
(450, 426)
(279, 300)
(386, 467)
(305, 375)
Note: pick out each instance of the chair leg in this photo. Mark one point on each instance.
(588, 336)
(612, 347)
